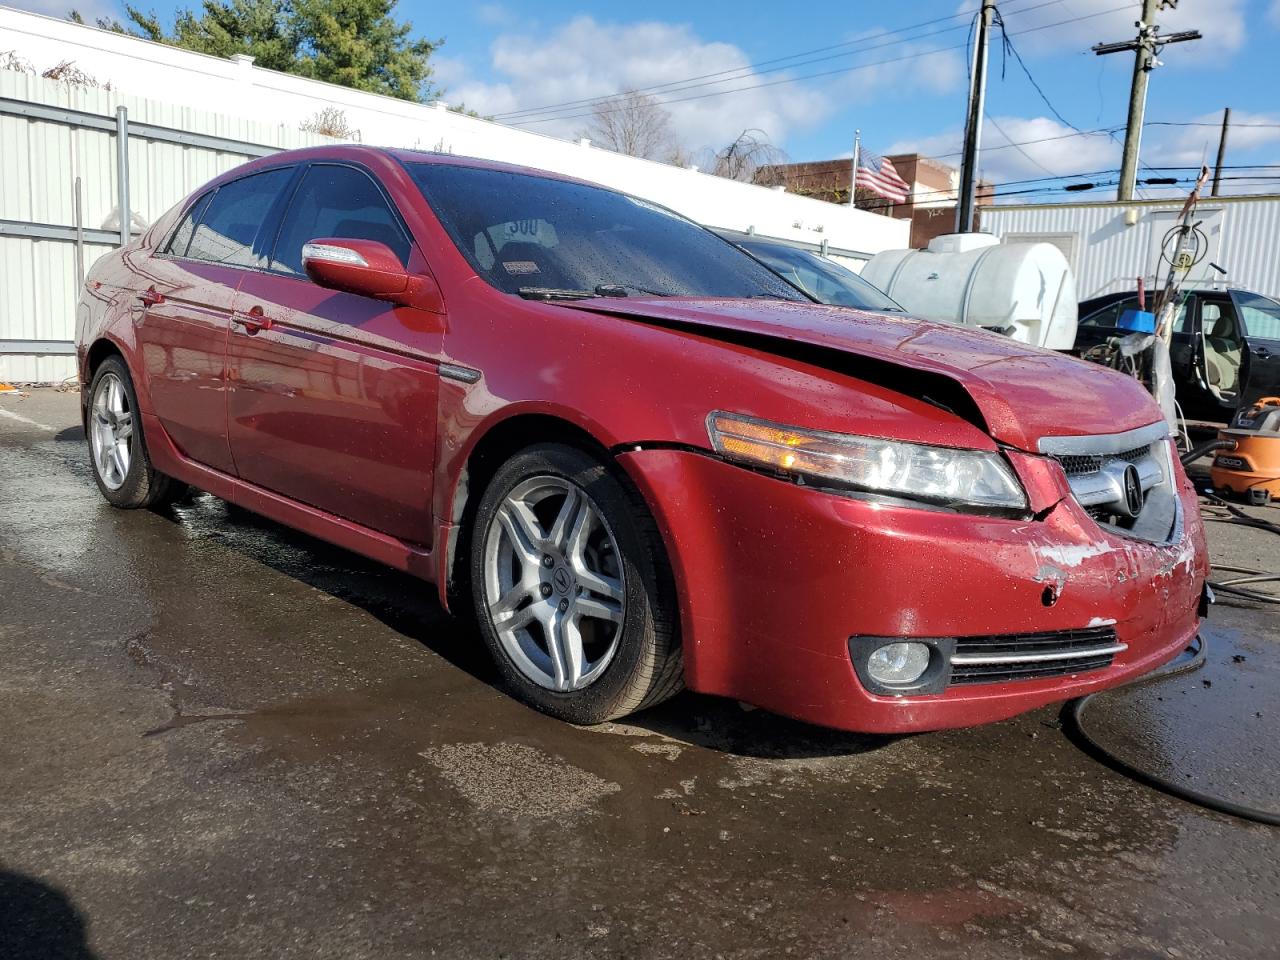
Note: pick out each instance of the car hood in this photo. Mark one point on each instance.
(1023, 392)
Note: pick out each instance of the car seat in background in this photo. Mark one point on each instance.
(1222, 348)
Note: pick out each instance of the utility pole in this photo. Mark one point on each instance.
(973, 122)
(1145, 47)
(1222, 152)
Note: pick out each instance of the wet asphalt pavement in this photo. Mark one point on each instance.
(219, 738)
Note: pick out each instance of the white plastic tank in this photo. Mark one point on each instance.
(1024, 290)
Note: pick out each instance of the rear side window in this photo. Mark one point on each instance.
(342, 202)
(181, 238)
(228, 231)
(1109, 316)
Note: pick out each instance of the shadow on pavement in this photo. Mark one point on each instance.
(39, 922)
(410, 608)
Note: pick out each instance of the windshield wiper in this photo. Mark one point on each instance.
(620, 290)
(554, 293)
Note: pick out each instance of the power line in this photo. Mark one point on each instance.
(1203, 123)
(1046, 190)
(1009, 46)
(1101, 132)
(1017, 146)
(744, 71)
(948, 193)
(825, 73)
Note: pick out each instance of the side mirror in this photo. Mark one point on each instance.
(368, 268)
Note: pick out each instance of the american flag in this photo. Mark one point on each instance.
(878, 175)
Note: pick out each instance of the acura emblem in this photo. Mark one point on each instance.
(1132, 491)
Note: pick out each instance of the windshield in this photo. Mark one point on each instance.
(536, 236)
(819, 277)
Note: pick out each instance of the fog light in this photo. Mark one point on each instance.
(897, 663)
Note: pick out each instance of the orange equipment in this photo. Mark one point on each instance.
(1252, 467)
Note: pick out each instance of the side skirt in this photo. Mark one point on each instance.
(324, 526)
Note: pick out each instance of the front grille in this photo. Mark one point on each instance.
(1100, 471)
(1025, 656)
(1082, 465)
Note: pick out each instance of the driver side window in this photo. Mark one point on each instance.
(340, 202)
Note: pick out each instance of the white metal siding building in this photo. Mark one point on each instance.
(1110, 245)
(178, 143)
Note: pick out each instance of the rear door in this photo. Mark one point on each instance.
(333, 395)
(184, 306)
(1260, 317)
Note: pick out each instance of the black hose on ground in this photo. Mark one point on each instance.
(1074, 713)
(1195, 453)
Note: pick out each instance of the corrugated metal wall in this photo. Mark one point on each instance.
(1110, 255)
(39, 163)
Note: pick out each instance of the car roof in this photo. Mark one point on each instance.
(363, 152)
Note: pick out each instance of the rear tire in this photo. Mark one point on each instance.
(118, 453)
(572, 590)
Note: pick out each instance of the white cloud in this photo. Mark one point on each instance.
(584, 58)
(1044, 147)
(494, 14)
(1273, 13)
(1197, 142)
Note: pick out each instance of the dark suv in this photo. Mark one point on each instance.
(1225, 348)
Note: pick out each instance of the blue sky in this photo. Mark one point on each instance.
(907, 90)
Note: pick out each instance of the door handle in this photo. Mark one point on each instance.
(1262, 352)
(150, 297)
(253, 321)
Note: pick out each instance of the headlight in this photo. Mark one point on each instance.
(942, 475)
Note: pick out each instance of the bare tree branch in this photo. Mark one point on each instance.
(743, 159)
(634, 124)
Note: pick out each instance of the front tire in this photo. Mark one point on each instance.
(117, 449)
(572, 590)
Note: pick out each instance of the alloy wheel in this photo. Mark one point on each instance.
(554, 589)
(111, 431)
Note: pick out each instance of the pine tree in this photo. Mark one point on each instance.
(355, 43)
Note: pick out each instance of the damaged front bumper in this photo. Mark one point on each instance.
(778, 582)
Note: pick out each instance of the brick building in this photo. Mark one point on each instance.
(931, 206)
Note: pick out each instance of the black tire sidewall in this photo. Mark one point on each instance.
(602, 698)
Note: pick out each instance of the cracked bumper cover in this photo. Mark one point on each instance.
(774, 578)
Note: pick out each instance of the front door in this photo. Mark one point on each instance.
(333, 395)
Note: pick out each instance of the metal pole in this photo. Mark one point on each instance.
(79, 236)
(1143, 57)
(853, 171)
(122, 172)
(1222, 152)
(973, 122)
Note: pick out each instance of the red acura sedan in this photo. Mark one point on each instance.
(637, 457)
